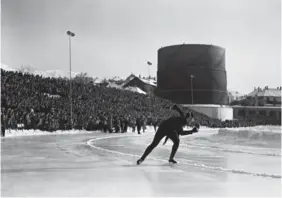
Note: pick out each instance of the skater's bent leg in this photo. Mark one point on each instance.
(175, 139)
(158, 137)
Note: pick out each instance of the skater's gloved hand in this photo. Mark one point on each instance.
(195, 130)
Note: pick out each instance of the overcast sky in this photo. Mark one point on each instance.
(116, 37)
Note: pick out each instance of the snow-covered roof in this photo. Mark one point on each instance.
(114, 85)
(148, 82)
(270, 92)
(265, 93)
(253, 93)
(114, 78)
(128, 79)
(256, 107)
(135, 89)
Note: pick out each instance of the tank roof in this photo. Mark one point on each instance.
(190, 45)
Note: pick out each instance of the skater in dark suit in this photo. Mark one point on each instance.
(189, 132)
(172, 128)
(191, 122)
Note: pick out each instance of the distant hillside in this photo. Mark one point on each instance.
(114, 82)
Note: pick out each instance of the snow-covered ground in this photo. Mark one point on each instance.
(10, 133)
(213, 162)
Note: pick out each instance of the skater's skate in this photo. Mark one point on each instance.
(172, 161)
(139, 161)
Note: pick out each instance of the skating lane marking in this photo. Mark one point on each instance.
(200, 146)
(183, 161)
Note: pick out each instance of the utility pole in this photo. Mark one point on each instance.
(70, 34)
(192, 94)
(150, 105)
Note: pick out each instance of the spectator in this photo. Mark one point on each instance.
(3, 123)
(43, 103)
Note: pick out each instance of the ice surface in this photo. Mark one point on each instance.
(79, 163)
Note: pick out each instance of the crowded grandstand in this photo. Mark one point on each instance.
(31, 101)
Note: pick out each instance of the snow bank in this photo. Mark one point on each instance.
(24, 132)
(266, 133)
(14, 133)
(262, 133)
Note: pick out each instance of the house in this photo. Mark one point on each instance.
(146, 85)
(266, 114)
(266, 96)
(234, 96)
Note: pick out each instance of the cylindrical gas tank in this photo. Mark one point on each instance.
(192, 69)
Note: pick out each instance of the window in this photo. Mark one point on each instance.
(270, 99)
(262, 112)
(252, 112)
(241, 112)
(272, 113)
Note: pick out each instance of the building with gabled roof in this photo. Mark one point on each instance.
(266, 96)
(146, 85)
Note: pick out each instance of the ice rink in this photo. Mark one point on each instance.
(99, 164)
